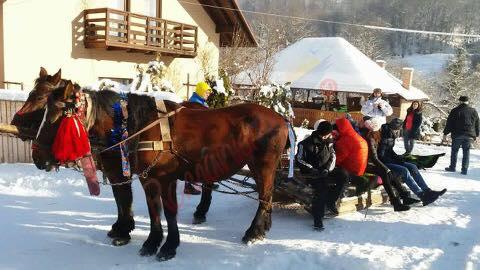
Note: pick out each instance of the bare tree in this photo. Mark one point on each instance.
(367, 41)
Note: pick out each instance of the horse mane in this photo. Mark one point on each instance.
(140, 108)
(104, 100)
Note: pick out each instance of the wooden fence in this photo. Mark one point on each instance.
(12, 149)
(312, 115)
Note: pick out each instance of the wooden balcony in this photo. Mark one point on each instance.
(119, 30)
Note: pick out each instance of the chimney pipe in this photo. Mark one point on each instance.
(407, 77)
(381, 63)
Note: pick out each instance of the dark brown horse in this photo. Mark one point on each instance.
(208, 146)
(29, 117)
(28, 120)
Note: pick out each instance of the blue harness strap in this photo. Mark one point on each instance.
(120, 133)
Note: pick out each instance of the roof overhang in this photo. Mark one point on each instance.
(229, 20)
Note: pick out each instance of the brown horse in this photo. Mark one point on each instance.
(28, 120)
(208, 146)
(29, 117)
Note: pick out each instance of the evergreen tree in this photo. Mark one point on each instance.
(457, 74)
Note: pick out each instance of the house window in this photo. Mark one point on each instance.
(152, 8)
(124, 81)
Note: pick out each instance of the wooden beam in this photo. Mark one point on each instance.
(215, 14)
(224, 28)
(127, 5)
(159, 8)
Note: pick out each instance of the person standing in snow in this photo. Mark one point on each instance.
(463, 124)
(411, 126)
(376, 106)
(316, 156)
(408, 171)
(202, 91)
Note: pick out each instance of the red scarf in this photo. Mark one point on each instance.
(71, 141)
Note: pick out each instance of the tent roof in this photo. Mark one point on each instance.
(334, 64)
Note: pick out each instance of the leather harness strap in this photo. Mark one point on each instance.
(149, 126)
(164, 124)
(153, 146)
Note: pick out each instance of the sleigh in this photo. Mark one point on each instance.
(300, 196)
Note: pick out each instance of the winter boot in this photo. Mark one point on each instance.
(331, 206)
(407, 200)
(449, 169)
(427, 197)
(318, 225)
(437, 193)
(398, 206)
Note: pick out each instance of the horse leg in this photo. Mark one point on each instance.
(170, 208)
(120, 232)
(121, 229)
(200, 215)
(152, 193)
(264, 171)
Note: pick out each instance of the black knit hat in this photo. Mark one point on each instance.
(324, 128)
(396, 124)
(463, 99)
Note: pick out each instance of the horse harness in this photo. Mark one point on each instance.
(164, 131)
(164, 144)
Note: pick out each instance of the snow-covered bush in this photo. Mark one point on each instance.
(151, 78)
(276, 97)
(221, 91)
(426, 129)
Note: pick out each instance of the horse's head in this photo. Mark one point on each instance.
(30, 115)
(58, 102)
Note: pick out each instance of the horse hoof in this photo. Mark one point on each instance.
(166, 255)
(247, 239)
(121, 241)
(199, 220)
(147, 251)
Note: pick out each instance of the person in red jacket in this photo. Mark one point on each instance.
(351, 148)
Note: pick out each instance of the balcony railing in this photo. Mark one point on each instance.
(115, 29)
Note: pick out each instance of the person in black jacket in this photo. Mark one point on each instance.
(370, 132)
(463, 124)
(408, 171)
(411, 126)
(316, 156)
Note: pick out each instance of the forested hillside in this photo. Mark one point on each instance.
(432, 15)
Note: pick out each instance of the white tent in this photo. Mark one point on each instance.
(333, 64)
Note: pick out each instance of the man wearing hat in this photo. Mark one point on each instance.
(463, 124)
(316, 156)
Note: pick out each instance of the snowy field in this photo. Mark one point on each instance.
(48, 221)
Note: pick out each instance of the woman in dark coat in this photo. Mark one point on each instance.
(411, 126)
(370, 132)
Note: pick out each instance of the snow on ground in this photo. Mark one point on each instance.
(48, 221)
(426, 64)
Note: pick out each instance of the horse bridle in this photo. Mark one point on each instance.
(77, 106)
